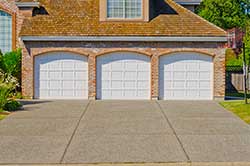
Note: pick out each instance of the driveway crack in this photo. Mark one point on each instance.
(175, 133)
(74, 132)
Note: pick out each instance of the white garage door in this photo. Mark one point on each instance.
(61, 75)
(186, 76)
(123, 76)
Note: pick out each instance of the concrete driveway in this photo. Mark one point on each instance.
(123, 132)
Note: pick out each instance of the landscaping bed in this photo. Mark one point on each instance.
(10, 78)
(3, 115)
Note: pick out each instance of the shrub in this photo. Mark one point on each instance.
(232, 59)
(12, 105)
(10, 64)
(17, 95)
(5, 91)
(6, 88)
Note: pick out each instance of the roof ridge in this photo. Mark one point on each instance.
(196, 15)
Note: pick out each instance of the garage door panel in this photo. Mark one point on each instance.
(61, 75)
(186, 76)
(130, 75)
(193, 84)
(179, 84)
(192, 75)
(116, 85)
(119, 76)
(132, 66)
(191, 66)
(44, 84)
(68, 75)
(130, 85)
(179, 67)
(179, 75)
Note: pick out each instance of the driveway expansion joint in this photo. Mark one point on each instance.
(74, 132)
(175, 133)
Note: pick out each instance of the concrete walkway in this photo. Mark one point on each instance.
(124, 132)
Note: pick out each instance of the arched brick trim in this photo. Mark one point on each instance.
(43, 52)
(13, 15)
(186, 50)
(124, 50)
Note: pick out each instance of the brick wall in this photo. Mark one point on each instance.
(10, 7)
(94, 49)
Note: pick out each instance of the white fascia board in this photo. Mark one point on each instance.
(125, 38)
(189, 3)
(27, 4)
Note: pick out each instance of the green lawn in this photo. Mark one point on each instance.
(239, 108)
(2, 117)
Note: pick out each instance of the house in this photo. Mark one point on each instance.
(109, 49)
(189, 4)
(235, 38)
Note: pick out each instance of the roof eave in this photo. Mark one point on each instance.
(125, 38)
(189, 3)
(27, 4)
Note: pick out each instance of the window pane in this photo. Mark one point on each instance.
(124, 8)
(5, 32)
(133, 8)
(115, 8)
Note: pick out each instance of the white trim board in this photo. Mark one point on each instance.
(27, 4)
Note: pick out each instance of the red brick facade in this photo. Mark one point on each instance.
(94, 49)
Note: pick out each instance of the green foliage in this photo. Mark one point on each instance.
(10, 63)
(224, 13)
(12, 105)
(10, 76)
(2, 116)
(5, 92)
(18, 95)
(232, 59)
(7, 86)
(235, 61)
(247, 42)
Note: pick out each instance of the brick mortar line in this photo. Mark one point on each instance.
(74, 132)
(171, 126)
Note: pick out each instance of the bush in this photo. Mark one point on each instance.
(6, 88)
(10, 76)
(17, 95)
(12, 105)
(10, 64)
(232, 59)
(5, 91)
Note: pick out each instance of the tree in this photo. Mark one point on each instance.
(226, 14)
(233, 60)
(247, 41)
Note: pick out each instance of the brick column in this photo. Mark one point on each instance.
(92, 77)
(27, 73)
(154, 77)
(219, 74)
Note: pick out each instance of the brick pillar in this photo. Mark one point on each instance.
(92, 77)
(27, 73)
(219, 74)
(154, 77)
